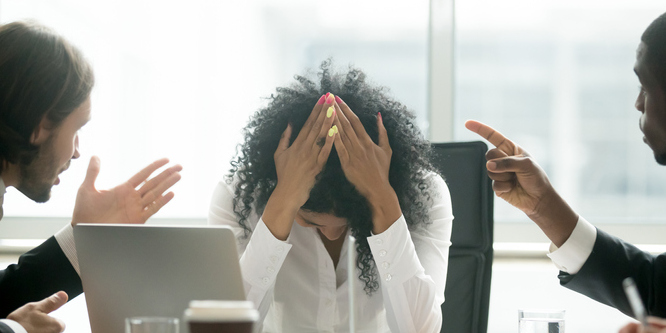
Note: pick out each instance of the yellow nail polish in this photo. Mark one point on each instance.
(331, 132)
(330, 99)
(329, 112)
(335, 128)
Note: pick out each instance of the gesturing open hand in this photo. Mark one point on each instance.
(124, 203)
(34, 317)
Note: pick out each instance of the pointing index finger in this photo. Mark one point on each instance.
(493, 136)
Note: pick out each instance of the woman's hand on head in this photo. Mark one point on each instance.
(366, 165)
(298, 165)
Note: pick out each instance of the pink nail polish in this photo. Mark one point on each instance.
(328, 93)
(338, 99)
(379, 114)
(321, 100)
(329, 99)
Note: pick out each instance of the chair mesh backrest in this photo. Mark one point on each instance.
(467, 295)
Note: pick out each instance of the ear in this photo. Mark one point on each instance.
(42, 132)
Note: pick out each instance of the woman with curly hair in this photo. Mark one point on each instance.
(354, 164)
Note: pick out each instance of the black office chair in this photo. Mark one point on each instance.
(467, 295)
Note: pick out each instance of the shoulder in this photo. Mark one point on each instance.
(437, 186)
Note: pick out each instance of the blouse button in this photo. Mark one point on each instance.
(385, 265)
(274, 259)
(379, 242)
(279, 249)
(382, 253)
(270, 270)
(388, 277)
(265, 280)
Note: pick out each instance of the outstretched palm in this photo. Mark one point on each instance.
(124, 203)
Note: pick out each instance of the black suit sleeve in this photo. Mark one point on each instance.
(5, 329)
(39, 273)
(611, 261)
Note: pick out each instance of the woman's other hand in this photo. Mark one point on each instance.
(297, 166)
(366, 165)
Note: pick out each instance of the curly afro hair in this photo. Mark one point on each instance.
(254, 167)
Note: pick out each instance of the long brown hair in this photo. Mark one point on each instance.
(41, 75)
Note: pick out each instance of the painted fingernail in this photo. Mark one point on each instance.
(321, 100)
(331, 132)
(338, 99)
(330, 111)
(330, 99)
(335, 128)
(379, 115)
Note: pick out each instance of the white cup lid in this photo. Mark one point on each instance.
(221, 311)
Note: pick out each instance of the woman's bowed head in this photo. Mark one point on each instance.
(355, 161)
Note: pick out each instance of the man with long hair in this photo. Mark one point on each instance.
(45, 86)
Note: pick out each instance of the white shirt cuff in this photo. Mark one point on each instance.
(263, 257)
(65, 238)
(16, 327)
(394, 254)
(573, 254)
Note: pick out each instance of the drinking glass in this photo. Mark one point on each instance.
(541, 321)
(151, 325)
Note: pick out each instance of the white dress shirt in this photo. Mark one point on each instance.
(573, 254)
(296, 288)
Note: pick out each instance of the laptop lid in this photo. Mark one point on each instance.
(147, 270)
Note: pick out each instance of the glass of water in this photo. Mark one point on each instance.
(151, 325)
(541, 321)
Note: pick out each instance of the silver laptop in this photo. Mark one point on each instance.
(144, 270)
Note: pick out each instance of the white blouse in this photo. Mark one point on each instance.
(296, 288)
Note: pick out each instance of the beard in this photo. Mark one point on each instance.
(38, 176)
(661, 158)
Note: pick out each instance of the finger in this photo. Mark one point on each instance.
(493, 136)
(656, 321)
(284, 139)
(495, 153)
(156, 205)
(309, 123)
(347, 132)
(629, 328)
(511, 164)
(326, 149)
(157, 180)
(383, 140)
(328, 109)
(92, 173)
(503, 187)
(61, 325)
(356, 124)
(343, 154)
(325, 129)
(52, 303)
(160, 188)
(142, 175)
(502, 176)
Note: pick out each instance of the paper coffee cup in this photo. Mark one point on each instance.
(221, 316)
